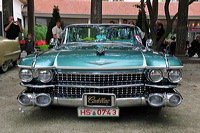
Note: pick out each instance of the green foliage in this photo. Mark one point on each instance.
(139, 21)
(88, 39)
(142, 23)
(40, 32)
(42, 47)
(55, 17)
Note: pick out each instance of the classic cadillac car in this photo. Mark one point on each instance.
(9, 53)
(100, 68)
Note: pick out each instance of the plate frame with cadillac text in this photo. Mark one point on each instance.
(109, 96)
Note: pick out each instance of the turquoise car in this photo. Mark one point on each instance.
(100, 68)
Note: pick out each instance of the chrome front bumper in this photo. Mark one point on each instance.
(120, 102)
(165, 99)
(154, 99)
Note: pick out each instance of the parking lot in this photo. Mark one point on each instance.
(182, 119)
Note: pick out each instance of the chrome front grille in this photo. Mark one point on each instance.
(76, 92)
(123, 85)
(99, 79)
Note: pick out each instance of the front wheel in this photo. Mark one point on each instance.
(4, 67)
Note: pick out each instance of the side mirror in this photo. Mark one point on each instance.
(149, 43)
(53, 42)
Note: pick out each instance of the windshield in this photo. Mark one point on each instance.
(102, 33)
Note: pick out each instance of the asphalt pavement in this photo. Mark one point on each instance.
(185, 59)
(15, 118)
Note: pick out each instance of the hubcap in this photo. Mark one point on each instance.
(4, 67)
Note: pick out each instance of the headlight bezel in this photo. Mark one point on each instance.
(178, 79)
(48, 79)
(26, 80)
(150, 78)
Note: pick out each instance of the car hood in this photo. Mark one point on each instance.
(90, 59)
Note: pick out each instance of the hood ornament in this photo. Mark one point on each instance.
(100, 63)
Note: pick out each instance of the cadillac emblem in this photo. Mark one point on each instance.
(100, 63)
(99, 100)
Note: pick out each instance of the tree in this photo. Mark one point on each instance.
(31, 17)
(96, 11)
(153, 12)
(182, 25)
(55, 17)
(142, 19)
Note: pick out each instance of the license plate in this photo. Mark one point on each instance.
(99, 100)
(98, 112)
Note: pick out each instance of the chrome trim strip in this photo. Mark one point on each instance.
(100, 73)
(34, 59)
(127, 102)
(101, 87)
(23, 66)
(144, 60)
(103, 68)
(84, 68)
(99, 68)
(15, 52)
(48, 67)
(175, 67)
(166, 60)
(163, 86)
(55, 61)
(36, 86)
(43, 67)
(156, 67)
(79, 86)
(170, 67)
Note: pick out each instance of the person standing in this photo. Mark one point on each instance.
(123, 33)
(124, 21)
(131, 23)
(195, 47)
(29, 45)
(12, 28)
(159, 34)
(173, 46)
(112, 32)
(160, 31)
(56, 30)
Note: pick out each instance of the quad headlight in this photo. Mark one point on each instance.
(175, 75)
(26, 75)
(45, 76)
(155, 75)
